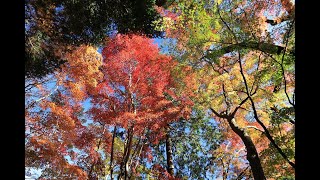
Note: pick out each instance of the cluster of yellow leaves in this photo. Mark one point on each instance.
(83, 70)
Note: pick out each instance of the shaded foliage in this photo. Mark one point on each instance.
(54, 27)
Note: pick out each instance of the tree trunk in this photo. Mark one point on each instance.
(170, 166)
(111, 158)
(124, 166)
(252, 154)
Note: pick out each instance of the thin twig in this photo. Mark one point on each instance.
(38, 100)
(282, 68)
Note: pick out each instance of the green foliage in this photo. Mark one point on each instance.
(282, 115)
(193, 141)
(211, 35)
(287, 178)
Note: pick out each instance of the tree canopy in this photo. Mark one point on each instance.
(54, 27)
(215, 101)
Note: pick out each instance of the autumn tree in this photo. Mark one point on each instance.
(131, 97)
(244, 54)
(55, 133)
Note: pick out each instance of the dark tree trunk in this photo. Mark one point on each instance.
(124, 166)
(111, 158)
(252, 154)
(170, 166)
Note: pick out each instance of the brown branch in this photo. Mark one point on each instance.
(35, 83)
(254, 127)
(293, 96)
(225, 97)
(236, 109)
(170, 166)
(223, 172)
(42, 98)
(252, 154)
(135, 151)
(258, 63)
(258, 120)
(268, 135)
(138, 154)
(274, 22)
(292, 121)
(126, 155)
(242, 173)
(242, 74)
(224, 22)
(224, 116)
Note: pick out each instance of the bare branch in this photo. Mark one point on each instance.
(224, 22)
(236, 109)
(225, 97)
(242, 173)
(268, 135)
(217, 114)
(38, 100)
(258, 63)
(282, 68)
(254, 127)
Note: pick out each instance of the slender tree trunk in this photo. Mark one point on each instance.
(252, 154)
(111, 158)
(90, 172)
(126, 172)
(124, 166)
(224, 177)
(170, 166)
